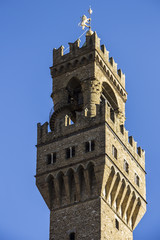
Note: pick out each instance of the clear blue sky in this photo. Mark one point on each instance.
(29, 30)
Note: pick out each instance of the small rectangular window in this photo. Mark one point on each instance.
(112, 114)
(117, 224)
(87, 146)
(49, 159)
(73, 151)
(90, 146)
(126, 166)
(114, 151)
(70, 152)
(72, 236)
(122, 129)
(54, 157)
(136, 179)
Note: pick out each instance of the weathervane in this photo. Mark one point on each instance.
(85, 20)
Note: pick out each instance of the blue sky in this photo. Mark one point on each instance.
(29, 30)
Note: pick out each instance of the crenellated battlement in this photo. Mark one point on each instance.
(70, 60)
(113, 63)
(103, 114)
(105, 53)
(115, 123)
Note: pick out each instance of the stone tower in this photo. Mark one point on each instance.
(89, 172)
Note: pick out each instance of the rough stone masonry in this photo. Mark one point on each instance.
(89, 172)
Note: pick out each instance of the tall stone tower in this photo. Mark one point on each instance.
(89, 172)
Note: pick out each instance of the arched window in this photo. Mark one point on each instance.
(75, 92)
(75, 97)
(108, 94)
(72, 236)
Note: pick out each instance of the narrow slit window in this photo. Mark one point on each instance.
(126, 166)
(92, 145)
(72, 236)
(87, 146)
(117, 224)
(68, 153)
(137, 179)
(114, 151)
(49, 159)
(122, 129)
(54, 157)
(73, 151)
(112, 114)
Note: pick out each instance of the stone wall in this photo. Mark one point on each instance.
(82, 218)
(89, 192)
